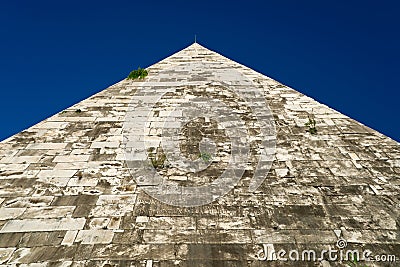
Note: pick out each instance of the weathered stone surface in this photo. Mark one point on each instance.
(72, 158)
(69, 238)
(46, 146)
(5, 254)
(95, 236)
(48, 212)
(36, 225)
(37, 239)
(10, 213)
(68, 198)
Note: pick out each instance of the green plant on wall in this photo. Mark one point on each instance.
(311, 124)
(138, 74)
(156, 157)
(205, 156)
(354, 262)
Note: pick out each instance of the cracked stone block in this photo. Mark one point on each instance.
(46, 146)
(19, 255)
(69, 238)
(71, 165)
(111, 210)
(37, 225)
(26, 202)
(116, 199)
(5, 254)
(105, 145)
(10, 213)
(27, 174)
(52, 125)
(56, 177)
(72, 158)
(37, 239)
(99, 223)
(21, 159)
(56, 173)
(95, 236)
(169, 236)
(82, 182)
(167, 222)
(57, 181)
(48, 212)
(16, 167)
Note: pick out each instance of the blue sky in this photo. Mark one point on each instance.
(342, 53)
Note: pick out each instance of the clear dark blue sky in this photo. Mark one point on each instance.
(343, 53)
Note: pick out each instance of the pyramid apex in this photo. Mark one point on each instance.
(193, 48)
(196, 45)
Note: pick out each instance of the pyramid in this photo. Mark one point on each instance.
(95, 185)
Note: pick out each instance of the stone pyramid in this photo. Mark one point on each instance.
(75, 189)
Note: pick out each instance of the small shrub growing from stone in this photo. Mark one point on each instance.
(205, 156)
(157, 157)
(311, 124)
(138, 74)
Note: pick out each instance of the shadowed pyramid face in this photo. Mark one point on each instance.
(193, 129)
